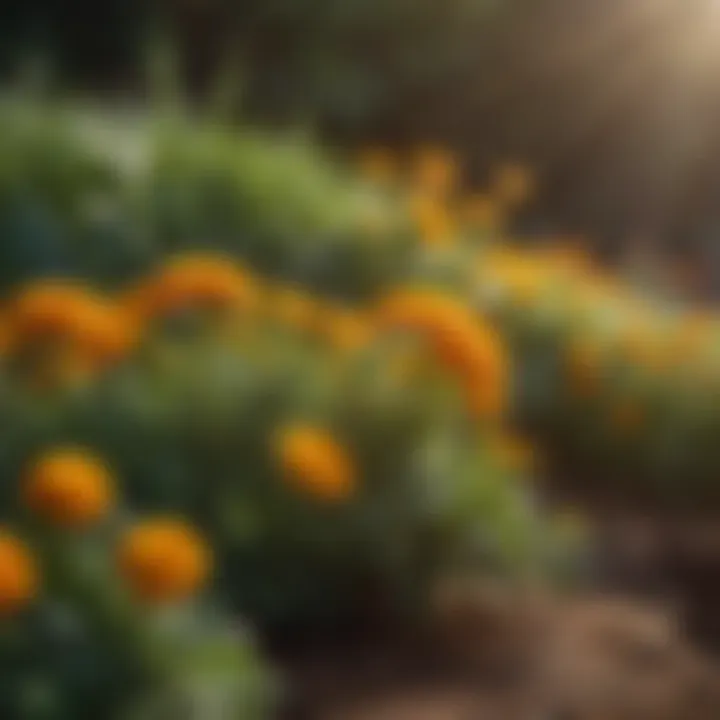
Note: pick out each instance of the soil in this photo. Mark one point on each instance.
(648, 549)
(642, 646)
(498, 657)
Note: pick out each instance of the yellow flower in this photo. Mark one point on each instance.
(519, 274)
(513, 184)
(69, 488)
(18, 574)
(433, 220)
(213, 281)
(435, 171)
(164, 560)
(313, 461)
(377, 165)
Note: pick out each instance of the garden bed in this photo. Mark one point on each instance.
(517, 660)
(650, 549)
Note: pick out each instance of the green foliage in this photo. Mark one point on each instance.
(188, 419)
(86, 649)
(93, 196)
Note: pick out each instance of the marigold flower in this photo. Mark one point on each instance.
(461, 342)
(164, 560)
(313, 461)
(488, 384)
(69, 487)
(195, 280)
(18, 574)
(52, 311)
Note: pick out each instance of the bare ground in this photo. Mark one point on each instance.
(502, 657)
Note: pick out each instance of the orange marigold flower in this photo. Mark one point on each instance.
(69, 487)
(461, 342)
(418, 309)
(87, 323)
(192, 280)
(18, 574)
(164, 560)
(110, 333)
(313, 461)
(436, 171)
(487, 376)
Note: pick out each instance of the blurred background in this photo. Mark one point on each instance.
(615, 104)
(359, 359)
